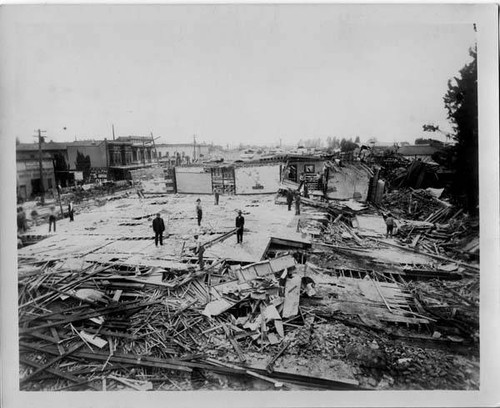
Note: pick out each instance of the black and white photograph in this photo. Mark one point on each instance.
(249, 204)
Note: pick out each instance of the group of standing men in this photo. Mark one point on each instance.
(53, 215)
(22, 223)
(159, 229)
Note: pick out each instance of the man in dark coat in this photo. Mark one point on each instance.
(21, 220)
(297, 203)
(289, 199)
(71, 211)
(216, 196)
(199, 211)
(52, 218)
(240, 223)
(158, 228)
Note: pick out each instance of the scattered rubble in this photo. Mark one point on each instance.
(306, 302)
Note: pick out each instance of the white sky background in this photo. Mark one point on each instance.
(229, 74)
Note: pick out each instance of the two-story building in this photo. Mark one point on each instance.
(29, 183)
(183, 153)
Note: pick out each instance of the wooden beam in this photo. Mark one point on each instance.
(95, 313)
(53, 361)
(58, 373)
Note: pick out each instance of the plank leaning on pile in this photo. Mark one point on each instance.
(200, 250)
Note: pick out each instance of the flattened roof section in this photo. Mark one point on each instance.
(418, 150)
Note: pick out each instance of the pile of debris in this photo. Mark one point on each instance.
(438, 228)
(402, 173)
(414, 204)
(109, 327)
(305, 317)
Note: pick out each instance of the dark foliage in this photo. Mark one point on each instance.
(461, 104)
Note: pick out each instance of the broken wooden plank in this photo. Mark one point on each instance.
(58, 373)
(270, 364)
(56, 337)
(292, 294)
(141, 386)
(234, 343)
(53, 361)
(98, 312)
(116, 296)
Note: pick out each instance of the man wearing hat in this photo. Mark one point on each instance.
(199, 211)
(158, 228)
(240, 223)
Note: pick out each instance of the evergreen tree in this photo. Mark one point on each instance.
(461, 104)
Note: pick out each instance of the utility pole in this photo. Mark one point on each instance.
(107, 158)
(194, 148)
(156, 151)
(143, 153)
(113, 129)
(42, 189)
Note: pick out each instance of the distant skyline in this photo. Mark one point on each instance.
(231, 74)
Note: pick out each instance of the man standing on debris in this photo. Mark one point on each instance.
(289, 198)
(240, 223)
(71, 211)
(21, 220)
(200, 250)
(297, 203)
(390, 223)
(52, 218)
(158, 228)
(199, 211)
(216, 196)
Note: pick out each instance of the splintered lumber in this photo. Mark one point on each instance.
(55, 360)
(220, 239)
(58, 373)
(292, 294)
(270, 364)
(341, 247)
(98, 312)
(443, 258)
(251, 373)
(277, 384)
(381, 295)
(234, 343)
(142, 386)
(134, 360)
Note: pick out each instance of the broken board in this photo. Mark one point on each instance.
(292, 294)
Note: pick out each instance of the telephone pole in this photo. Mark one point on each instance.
(194, 148)
(42, 189)
(154, 146)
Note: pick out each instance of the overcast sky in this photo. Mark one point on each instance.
(231, 74)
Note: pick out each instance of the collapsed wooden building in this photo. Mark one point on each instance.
(318, 300)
